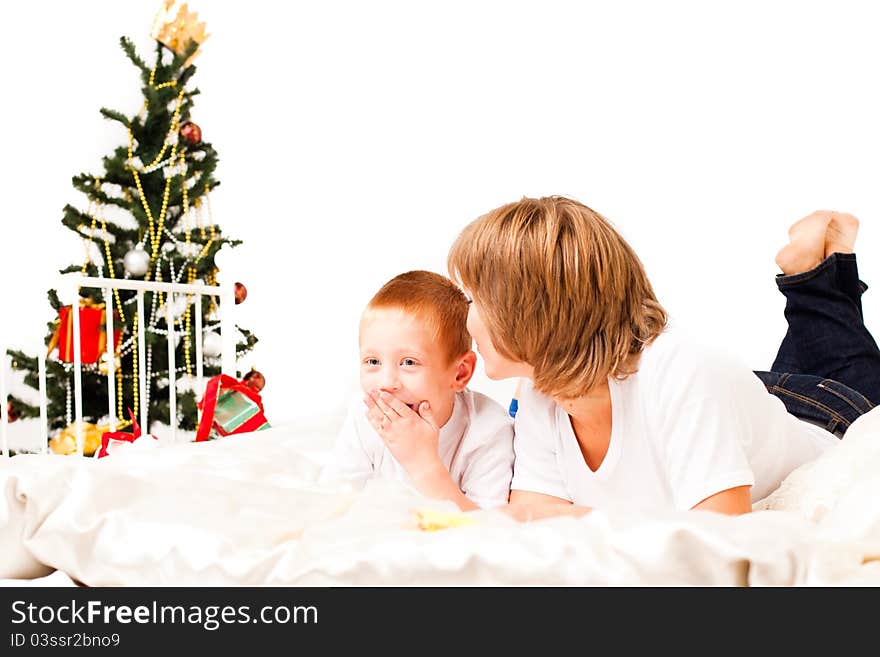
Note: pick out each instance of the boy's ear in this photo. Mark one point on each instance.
(467, 364)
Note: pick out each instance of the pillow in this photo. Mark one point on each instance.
(17, 476)
(815, 489)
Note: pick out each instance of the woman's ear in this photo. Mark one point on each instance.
(465, 368)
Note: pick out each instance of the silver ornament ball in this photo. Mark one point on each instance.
(212, 345)
(136, 262)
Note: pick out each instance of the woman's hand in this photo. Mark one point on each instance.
(526, 506)
(529, 512)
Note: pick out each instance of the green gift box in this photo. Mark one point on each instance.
(236, 409)
(233, 410)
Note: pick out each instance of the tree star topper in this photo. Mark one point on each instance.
(174, 26)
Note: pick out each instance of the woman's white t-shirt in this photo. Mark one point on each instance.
(689, 423)
(475, 445)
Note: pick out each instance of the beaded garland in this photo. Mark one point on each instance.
(172, 165)
(95, 210)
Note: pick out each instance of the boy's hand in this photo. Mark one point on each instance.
(413, 438)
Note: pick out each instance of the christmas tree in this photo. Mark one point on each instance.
(158, 227)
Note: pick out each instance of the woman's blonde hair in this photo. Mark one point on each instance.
(559, 289)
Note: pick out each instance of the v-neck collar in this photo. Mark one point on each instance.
(612, 454)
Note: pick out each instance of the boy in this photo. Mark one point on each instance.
(416, 362)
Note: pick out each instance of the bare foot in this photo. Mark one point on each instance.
(840, 236)
(806, 247)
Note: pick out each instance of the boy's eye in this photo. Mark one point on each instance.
(372, 362)
(408, 362)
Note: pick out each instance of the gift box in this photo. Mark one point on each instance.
(93, 332)
(230, 406)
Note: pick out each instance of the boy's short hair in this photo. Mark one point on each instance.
(559, 289)
(433, 299)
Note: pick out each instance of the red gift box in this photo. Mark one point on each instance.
(93, 332)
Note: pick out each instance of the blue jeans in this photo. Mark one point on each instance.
(827, 370)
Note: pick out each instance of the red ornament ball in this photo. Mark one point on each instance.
(191, 132)
(240, 293)
(11, 414)
(254, 380)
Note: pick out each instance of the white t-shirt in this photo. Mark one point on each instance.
(688, 424)
(475, 445)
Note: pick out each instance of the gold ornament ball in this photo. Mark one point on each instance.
(65, 442)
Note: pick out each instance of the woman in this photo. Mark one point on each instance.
(621, 411)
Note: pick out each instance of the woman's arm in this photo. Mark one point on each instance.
(733, 501)
(526, 505)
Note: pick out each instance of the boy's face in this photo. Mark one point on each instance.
(399, 356)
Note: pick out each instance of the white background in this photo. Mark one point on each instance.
(357, 138)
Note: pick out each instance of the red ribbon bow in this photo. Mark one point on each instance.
(107, 436)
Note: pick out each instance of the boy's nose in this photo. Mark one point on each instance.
(389, 382)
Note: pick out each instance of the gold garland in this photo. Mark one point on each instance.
(156, 226)
(119, 396)
(191, 273)
(211, 279)
(134, 364)
(94, 210)
(87, 243)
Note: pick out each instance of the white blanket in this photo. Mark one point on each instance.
(246, 510)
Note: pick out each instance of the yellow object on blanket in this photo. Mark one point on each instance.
(430, 520)
(65, 442)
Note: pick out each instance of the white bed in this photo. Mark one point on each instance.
(246, 510)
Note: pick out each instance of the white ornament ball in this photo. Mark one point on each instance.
(104, 361)
(136, 261)
(178, 307)
(212, 345)
(220, 257)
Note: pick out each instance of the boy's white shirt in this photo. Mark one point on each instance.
(475, 445)
(690, 423)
